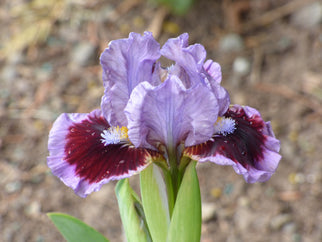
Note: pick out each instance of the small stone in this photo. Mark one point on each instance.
(231, 43)
(243, 218)
(280, 220)
(33, 209)
(9, 73)
(308, 17)
(241, 66)
(208, 211)
(84, 54)
(216, 192)
(290, 228)
(12, 187)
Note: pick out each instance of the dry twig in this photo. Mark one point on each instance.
(156, 24)
(288, 93)
(275, 14)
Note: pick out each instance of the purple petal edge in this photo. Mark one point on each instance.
(79, 158)
(252, 150)
(168, 115)
(126, 63)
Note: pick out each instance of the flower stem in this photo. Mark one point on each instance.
(171, 177)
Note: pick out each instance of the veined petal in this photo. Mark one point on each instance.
(170, 114)
(191, 68)
(126, 63)
(81, 157)
(212, 71)
(189, 58)
(250, 148)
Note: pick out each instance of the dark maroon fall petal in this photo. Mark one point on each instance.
(248, 148)
(93, 160)
(80, 159)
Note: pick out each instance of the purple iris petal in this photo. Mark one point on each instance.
(251, 148)
(126, 63)
(189, 58)
(212, 72)
(192, 68)
(79, 157)
(170, 114)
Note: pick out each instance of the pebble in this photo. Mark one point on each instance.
(208, 211)
(309, 16)
(280, 220)
(229, 188)
(216, 192)
(12, 187)
(290, 228)
(241, 66)
(231, 43)
(83, 54)
(243, 218)
(33, 209)
(9, 73)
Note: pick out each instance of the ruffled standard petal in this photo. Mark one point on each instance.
(212, 71)
(250, 148)
(80, 157)
(170, 114)
(192, 69)
(189, 59)
(126, 63)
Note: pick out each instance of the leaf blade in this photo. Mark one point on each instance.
(155, 202)
(75, 230)
(128, 201)
(185, 223)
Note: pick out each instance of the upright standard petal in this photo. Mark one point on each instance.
(247, 143)
(84, 160)
(191, 68)
(170, 114)
(189, 59)
(212, 72)
(126, 63)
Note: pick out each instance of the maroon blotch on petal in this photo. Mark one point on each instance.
(93, 160)
(246, 146)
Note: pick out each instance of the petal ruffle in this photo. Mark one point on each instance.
(170, 114)
(192, 69)
(189, 59)
(126, 63)
(212, 72)
(251, 149)
(80, 159)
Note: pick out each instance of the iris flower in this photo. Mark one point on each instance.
(151, 114)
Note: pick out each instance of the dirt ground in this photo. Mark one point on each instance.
(49, 60)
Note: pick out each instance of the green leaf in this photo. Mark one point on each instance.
(131, 213)
(74, 230)
(185, 223)
(177, 6)
(155, 202)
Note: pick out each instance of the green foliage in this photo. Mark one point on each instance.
(131, 212)
(185, 223)
(179, 7)
(75, 230)
(155, 203)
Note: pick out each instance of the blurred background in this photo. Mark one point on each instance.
(271, 57)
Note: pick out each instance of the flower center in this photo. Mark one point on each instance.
(225, 126)
(114, 135)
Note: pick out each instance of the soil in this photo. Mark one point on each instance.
(54, 68)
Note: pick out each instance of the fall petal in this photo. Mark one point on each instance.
(80, 158)
(250, 148)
